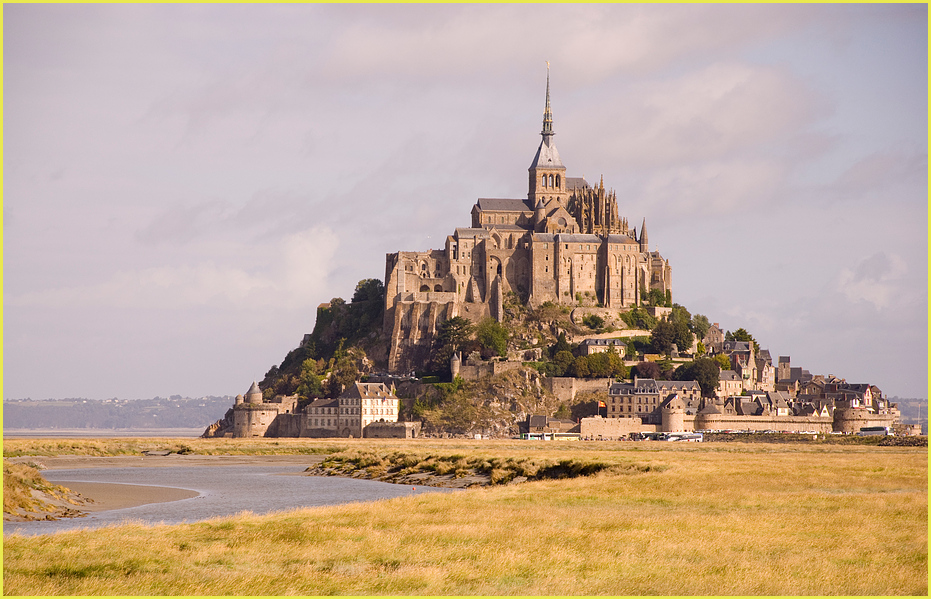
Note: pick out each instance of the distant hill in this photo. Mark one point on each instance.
(158, 412)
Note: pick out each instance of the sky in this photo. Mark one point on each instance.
(185, 184)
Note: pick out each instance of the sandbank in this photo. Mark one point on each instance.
(115, 496)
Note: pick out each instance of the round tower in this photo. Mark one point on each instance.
(455, 363)
(254, 394)
(239, 399)
(673, 415)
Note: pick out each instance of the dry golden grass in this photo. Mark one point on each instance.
(705, 520)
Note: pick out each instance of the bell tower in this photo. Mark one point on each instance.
(547, 173)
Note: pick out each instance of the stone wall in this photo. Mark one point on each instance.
(470, 372)
(565, 388)
(821, 424)
(597, 427)
(253, 420)
(392, 430)
(851, 420)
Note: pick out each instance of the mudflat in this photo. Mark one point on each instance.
(114, 496)
(97, 497)
(62, 462)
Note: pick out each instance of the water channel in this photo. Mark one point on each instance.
(222, 491)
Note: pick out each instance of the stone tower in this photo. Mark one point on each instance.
(455, 365)
(254, 394)
(673, 415)
(547, 172)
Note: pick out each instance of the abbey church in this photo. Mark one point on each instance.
(563, 243)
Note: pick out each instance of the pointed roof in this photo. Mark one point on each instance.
(643, 232)
(547, 156)
(254, 389)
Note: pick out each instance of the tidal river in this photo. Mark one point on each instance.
(221, 491)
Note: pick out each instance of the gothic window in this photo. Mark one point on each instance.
(551, 180)
(438, 288)
(557, 181)
(544, 181)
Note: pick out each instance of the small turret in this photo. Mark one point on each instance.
(539, 215)
(254, 394)
(455, 364)
(644, 242)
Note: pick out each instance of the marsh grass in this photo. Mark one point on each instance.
(134, 446)
(20, 482)
(397, 465)
(701, 520)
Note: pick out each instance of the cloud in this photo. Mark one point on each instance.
(291, 273)
(875, 280)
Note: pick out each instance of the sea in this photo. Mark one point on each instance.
(222, 491)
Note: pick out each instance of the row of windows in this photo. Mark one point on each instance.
(549, 181)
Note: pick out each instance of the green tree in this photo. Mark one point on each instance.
(700, 326)
(638, 318)
(561, 345)
(724, 361)
(579, 368)
(369, 290)
(664, 335)
(648, 370)
(742, 335)
(562, 361)
(493, 338)
(683, 336)
(703, 370)
(311, 380)
(680, 314)
(455, 332)
(594, 322)
(343, 373)
(616, 366)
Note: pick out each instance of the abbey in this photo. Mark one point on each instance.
(564, 243)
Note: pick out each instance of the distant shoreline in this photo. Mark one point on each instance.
(69, 433)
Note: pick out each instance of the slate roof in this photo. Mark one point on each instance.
(504, 205)
(547, 156)
(578, 238)
(541, 237)
(576, 183)
(621, 239)
(728, 375)
(462, 232)
(709, 408)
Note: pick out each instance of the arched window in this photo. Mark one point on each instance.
(551, 180)
(544, 181)
(557, 181)
(438, 288)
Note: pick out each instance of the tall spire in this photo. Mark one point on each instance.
(547, 113)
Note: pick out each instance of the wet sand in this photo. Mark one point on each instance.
(114, 496)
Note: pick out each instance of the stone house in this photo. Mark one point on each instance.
(597, 346)
(643, 397)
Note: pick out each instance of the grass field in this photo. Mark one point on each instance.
(702, 519)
